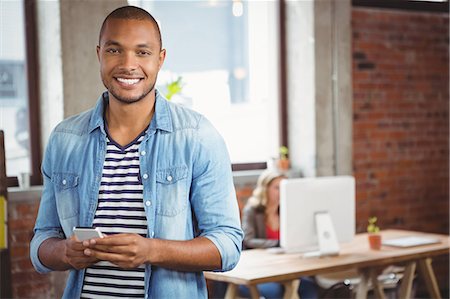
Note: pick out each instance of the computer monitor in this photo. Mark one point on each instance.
(317, 214)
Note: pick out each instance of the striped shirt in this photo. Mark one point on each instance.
(120, 210)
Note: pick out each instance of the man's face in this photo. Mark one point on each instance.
(130, 59)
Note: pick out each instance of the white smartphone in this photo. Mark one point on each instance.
(86, 233)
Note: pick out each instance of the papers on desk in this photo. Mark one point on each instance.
(275, 250)
(410, 241)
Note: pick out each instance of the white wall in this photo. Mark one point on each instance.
(301, 91)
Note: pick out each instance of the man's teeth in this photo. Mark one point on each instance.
(128, 81)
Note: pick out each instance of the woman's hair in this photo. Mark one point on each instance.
(259, 196)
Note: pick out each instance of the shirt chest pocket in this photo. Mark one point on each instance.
(66, 194)
(171, 190)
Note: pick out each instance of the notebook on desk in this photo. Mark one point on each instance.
(410, 241)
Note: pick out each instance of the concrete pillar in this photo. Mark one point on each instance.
(80, 27)
(319, 86)
(333, 87)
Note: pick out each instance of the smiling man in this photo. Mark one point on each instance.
(154, 177)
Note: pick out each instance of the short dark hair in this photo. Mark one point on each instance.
(131, 13)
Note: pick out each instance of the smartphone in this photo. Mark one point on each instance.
(86, 233)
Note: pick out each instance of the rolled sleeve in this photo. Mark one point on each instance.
(228, 249)
(38, 239)
(213, 197)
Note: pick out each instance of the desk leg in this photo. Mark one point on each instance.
(426, 270)
(254, 293)
(361, 290)
(408, 277)
(291, 288)
(378, 289)
(231, 291)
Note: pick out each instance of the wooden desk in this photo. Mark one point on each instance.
(259, 266)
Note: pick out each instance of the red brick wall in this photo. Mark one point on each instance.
(401, 128)
(401, 119)
(26, 282)
(243, 193)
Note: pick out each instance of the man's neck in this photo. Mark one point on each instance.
(127, 121)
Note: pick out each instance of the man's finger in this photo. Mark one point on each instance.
(120, 249)
(114, 240)
(104, 256)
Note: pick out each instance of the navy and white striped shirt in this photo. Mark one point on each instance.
(120, 210)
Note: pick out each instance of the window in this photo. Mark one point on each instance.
(225, 54)
(22, 147)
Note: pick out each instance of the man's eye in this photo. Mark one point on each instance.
(143, 53)
(112, 51)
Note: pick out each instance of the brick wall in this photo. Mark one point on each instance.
(243, 193)
(26, 282)
(401, 120)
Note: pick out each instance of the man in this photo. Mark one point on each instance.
(153, 176)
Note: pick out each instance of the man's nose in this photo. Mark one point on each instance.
(129, 61)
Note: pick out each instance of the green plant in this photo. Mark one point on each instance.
(174, 87)
(284, 151)
(372, 227)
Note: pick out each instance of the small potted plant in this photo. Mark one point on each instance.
(374, 236)
(283, 161)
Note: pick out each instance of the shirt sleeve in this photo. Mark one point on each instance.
(213, 197)
(47, 222)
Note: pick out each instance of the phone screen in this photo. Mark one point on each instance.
(86, 233)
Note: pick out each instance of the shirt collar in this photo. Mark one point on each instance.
(161, 119)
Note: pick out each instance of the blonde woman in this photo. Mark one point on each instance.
(261, 225)
(261, 219)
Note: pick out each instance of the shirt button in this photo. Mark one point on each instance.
(145, 176)
(143, 153)
(64, 182)
(148, 203)
(169, 178)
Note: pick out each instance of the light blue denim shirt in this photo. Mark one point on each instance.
(188, 190)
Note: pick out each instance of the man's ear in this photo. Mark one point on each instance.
(98, 53)
(162, 57)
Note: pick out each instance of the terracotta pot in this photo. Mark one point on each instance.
(283, 164)
(374, 241)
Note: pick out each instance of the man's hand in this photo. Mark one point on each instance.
(64, 254)
(74, 254)
(123, 250)
(132, 250)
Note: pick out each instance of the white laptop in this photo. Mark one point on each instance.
(410, 241)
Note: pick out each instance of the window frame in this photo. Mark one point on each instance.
(32, 70)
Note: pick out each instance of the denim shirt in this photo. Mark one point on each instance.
(188, 190)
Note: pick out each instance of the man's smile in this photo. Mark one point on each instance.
(128, 81)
